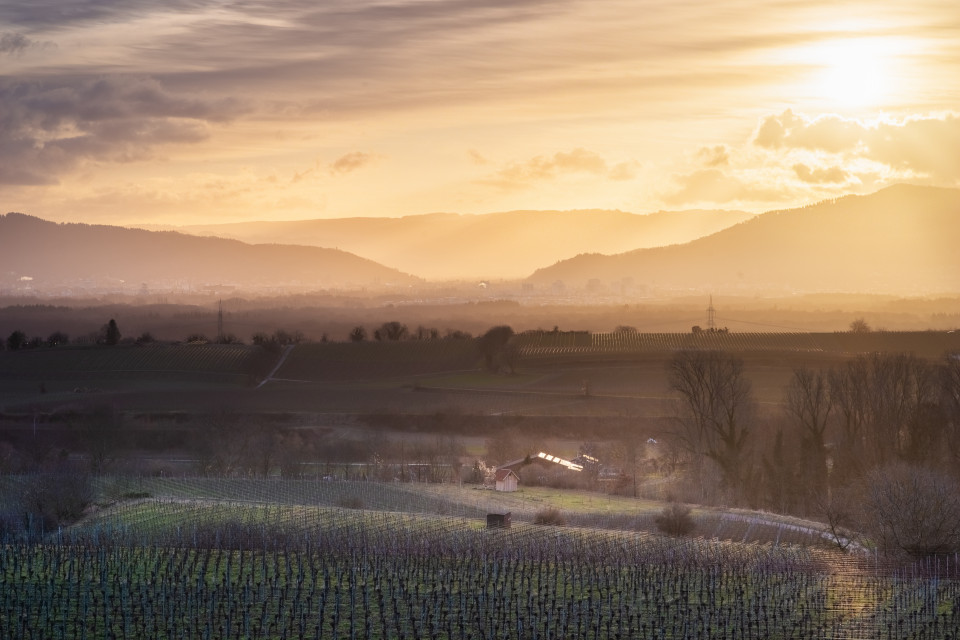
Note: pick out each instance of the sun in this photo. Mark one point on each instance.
(852, 74)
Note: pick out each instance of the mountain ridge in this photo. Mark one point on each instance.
(501, 245)
(47, 251)
(896, 240)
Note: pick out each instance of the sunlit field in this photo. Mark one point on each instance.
(266, 565)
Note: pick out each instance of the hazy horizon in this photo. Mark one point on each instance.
(179, 113)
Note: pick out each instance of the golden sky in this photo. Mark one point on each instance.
(181, 111)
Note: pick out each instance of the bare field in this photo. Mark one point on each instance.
(411, 377)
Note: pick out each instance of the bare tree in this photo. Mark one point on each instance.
(950, 401)
(839, 511)
(913, 510)
(392, 330)
(715, 409)
(887, 410)
(809, 405)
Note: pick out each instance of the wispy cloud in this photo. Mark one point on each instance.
(48, 127)
(543, 168)
(351, 162)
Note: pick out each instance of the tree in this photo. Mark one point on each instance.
(950, 401)
(284, 337)
(675, 520)
(860, 326)
(809, 405)
(57, 338)
(358, 334)
(492, 343)
(887, 409)
(391, 331)
(16, 340)
(102, 433)
(52, 499)
(110, 333)
(715, 410)
(426, 333)
(912, 510)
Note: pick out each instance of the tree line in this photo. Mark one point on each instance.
(874, 442)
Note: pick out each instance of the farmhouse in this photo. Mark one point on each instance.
(507, 480)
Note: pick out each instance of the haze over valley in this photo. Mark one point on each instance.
(465, 319)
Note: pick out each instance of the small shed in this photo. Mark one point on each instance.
(498, 520)
(507, 480)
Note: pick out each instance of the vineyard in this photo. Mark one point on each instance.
(213, 569)
(923, 343)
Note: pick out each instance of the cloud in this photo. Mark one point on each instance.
(924, 145)
(542, 168)
(351, 162)
(15, 43)
(820, 176)
(714, 156)
(47, 128)
(57, 13)
(476, 157)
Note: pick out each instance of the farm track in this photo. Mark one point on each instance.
(283, 358)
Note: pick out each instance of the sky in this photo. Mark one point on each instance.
(187, 111)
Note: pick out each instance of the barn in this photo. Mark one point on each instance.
(507, 480)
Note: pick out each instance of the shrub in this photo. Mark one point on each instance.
(675, 520)
(550, 517)
(912, 510)
(350, 502)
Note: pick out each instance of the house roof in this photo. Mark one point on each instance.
(503, 474)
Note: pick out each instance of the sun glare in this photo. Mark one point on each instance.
(854, 74)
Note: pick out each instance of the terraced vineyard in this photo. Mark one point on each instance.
(223, 570)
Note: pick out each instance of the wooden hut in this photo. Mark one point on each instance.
(507, 480)
(498, 520)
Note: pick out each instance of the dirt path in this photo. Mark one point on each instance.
(283, 358)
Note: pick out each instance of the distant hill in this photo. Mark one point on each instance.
(52, 253)
(512, 244)
(900, 240)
